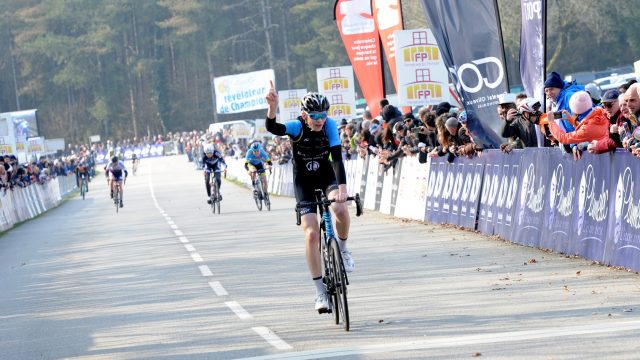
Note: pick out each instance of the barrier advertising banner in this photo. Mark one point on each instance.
(360, 36)
(532, 50)
(532, 195)
(423, 78)
(623, 235)
(388, 17)
(336, 83)
(242, 92)
(453, 191)
(289, 103)
(470, 41)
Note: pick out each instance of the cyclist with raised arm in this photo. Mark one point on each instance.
(212, 161)
(254, 163)
(115, 170)
(317, 164)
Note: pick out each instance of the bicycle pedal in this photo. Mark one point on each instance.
(324, 311)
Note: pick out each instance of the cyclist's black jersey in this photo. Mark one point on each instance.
(214, 162)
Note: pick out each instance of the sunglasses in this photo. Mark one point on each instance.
(608, 105)
(317, 116)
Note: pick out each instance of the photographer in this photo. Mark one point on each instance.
(520, 126)
(406, 143)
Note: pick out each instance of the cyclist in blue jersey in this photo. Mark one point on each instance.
(315, 141)
(254, 163)
(212, 161)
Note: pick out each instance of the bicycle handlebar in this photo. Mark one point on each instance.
(327, 202)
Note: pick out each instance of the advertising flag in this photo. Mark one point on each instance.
(388, 17)
(36, 146)
(289, 103)
(360, 37)
(422, 76)
(532, 51)
(470, 41)
(242, 92)
(337, 84)
(7, 138)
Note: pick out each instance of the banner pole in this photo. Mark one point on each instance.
(504, 57)
(544, 51)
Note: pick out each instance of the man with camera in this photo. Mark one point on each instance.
(520, 124)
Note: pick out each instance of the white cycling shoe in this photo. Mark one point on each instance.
(322, 303)
(347, 260)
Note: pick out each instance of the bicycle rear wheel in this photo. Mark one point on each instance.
(256, 197)
(116, 199)
(215, 200)
(83, 189)
(340, 283)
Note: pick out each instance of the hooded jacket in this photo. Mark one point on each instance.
(593, 127)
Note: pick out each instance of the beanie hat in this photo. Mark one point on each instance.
(580, 102)
(554, 80)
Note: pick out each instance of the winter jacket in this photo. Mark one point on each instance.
(593, 127)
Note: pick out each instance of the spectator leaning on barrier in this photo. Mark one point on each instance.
(522, 126)
(559, 92)
(507, 112)
(618, 124)
(593, 123)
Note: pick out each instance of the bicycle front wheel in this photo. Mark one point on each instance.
(340, 283)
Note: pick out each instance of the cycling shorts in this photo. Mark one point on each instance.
(305, 188)
(259, 168)
(116, 175)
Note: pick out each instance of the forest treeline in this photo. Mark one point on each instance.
(125, 68)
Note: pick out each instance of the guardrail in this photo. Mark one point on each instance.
(535, 197)
(21, 204)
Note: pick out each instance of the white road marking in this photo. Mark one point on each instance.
(196, 257)
(217, 288)
(183, 239)
(459, 341)
(174, 227)
(272, 339)
(204, 269)
(189, 247)
(169, 221)
(178, 232)
(239, 310)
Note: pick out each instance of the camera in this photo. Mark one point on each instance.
(415, 130)
(557, 115)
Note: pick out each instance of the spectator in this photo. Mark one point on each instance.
(559, 92)
(593, 123)
(520, 127)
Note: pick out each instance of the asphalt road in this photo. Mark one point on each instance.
(166, 279)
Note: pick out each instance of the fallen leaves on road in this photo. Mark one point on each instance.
(578, 272)
(477, 354)
(532, 261)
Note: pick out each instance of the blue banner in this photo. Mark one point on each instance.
(499, 193)
(623, 236)
(141, 152)
(592, 205)
(470, 40)
(532, 47)
(560, 205)
(453, 191)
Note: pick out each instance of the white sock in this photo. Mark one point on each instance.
(343, 244)
(320, 289)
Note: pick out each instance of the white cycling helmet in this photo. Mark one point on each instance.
(530, 105)
(209, 149)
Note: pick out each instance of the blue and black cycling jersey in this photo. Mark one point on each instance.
(256, 160)
(312, 149)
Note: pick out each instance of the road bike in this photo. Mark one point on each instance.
(215, 192)
(334, 275)
(134, 166)
(117, 194)
(259, 194)
(84, 185)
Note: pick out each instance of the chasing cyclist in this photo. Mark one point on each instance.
(212, 161)
(254, 163)
(82, 171)
(314, 139)
(114, 171)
